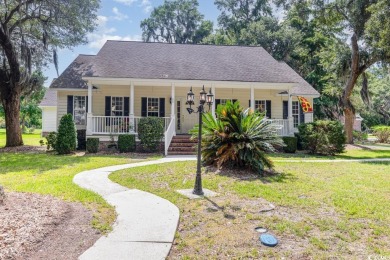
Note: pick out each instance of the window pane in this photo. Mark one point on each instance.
(117, 106)
(153, 107)
(260, 105)
(79, 110)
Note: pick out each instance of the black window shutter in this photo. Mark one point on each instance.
(301, 115)
(108, 106)
(285, 109)
(126, 106)
(268, 108)
(162, 107)
(70, 105)
(234, 100)
(108, 109)
(217, 102)
(249, 104)
(144, 107)
(86, 104)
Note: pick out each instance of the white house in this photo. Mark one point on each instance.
(109, 92)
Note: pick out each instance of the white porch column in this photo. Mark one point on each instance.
(173, 103)
(290, 117)
(132, 123)
(252, 98)
(89, 114)
(213, 105)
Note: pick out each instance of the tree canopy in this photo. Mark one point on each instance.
(30, 33)
(176, 21)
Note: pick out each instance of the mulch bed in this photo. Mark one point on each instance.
(42, 227)
(24, 148)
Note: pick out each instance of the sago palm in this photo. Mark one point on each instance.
(238, 137)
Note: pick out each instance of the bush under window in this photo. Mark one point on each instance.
(92, 145)
(323, 137)
(126, 143)
(150, 132)
(66, 136)
(238, 138)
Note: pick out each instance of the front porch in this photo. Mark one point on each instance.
(114, 107)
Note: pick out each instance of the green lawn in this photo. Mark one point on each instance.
(349, 154)
(28, 139)
(323, 210)
(53, 174)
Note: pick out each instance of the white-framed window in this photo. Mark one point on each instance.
(223, 101)
(295, 113)
(260, 105)
(153, 107)
(117, 106)
(79, 110)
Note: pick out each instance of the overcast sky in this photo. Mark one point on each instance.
(119, 20)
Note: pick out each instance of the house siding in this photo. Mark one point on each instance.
(49, 119)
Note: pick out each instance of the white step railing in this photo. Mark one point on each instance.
(281, 126)
(169, 133)
(118, 124)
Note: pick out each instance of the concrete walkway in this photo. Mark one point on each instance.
(146, 224)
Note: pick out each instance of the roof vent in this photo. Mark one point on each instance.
(164, 76)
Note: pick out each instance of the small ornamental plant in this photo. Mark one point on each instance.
(66, 136)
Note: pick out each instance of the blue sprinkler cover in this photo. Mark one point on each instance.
(268, 240)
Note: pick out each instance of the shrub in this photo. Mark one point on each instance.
(51, 140)
(92, 145)
(360, 136)
(237, 138)
(126, 143)
(150, 132)
(323, 137)
(291, 144)
(382, 133)
(299, 141)
(66, 136)
(81, 139)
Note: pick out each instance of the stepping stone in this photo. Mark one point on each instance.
(268, 240)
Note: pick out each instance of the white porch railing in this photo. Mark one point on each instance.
(118, 124)
(282, 126)
(169, 133)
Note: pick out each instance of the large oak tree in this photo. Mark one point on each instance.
(176, 21)
(30, 33)
(363, 42)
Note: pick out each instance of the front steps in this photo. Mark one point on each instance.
(182, 145)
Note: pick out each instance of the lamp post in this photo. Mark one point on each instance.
(203, 98)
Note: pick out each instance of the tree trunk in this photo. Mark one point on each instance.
(349, 112)
(349, 117)
(11, 107)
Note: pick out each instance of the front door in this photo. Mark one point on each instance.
(184, 121)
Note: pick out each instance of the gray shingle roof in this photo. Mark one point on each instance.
(303, 88)
(50, 98)
(123, 59)
(72, 75)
